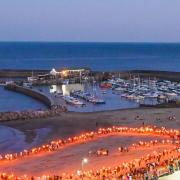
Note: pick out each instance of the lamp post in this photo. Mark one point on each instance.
(84, 161)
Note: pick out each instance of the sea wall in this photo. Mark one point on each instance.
(97, 75)
(13, 73)
(32, 93)
(53, 110)
(173, 76)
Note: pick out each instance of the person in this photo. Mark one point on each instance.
(146, 176)
(96, 124)
(129, 176)
(120, 149)
(171, 170)
(143, 124)
(174, 117)
(179, 164)
(155, 175)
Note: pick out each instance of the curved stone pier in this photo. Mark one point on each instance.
(44, 98)
(55, 107)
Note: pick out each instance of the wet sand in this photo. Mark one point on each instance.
(13, 140)
(73, 123)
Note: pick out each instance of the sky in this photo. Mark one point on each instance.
(90, 20)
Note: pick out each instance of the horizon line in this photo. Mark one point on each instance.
(115, 42)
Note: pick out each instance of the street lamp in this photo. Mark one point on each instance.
(84, 161)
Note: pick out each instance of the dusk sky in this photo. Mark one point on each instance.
(90, 20)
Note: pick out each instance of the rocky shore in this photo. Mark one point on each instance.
(31, 114)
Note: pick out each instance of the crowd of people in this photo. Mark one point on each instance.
(55, 145)
(147, 167)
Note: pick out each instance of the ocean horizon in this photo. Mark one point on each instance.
(102, 56)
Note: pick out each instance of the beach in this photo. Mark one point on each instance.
(68, 159)
(74, 123)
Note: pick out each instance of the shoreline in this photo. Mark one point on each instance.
(65, 124)
(73, 123)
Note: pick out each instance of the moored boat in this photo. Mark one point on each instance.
(72, 100)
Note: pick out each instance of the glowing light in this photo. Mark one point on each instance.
(85, 160)
(85, 137)
(64, 73)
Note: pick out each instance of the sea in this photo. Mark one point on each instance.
(97, 56)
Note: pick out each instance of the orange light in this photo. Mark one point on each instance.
(85, 137)
(64, 73)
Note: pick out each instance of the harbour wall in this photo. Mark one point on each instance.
(23, 73)
(54, 109)
(32, 93)
(173, 76)
(12, 73)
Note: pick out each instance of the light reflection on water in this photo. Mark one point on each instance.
(113, 101)
(12, 101)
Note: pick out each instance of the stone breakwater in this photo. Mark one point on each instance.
(31, 114)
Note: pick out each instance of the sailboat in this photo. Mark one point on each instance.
(32, 78)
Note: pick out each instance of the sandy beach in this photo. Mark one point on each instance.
(72, 123)
(68, 159)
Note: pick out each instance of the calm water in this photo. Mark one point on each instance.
(98, 56)
(113, 100)
(12, 101)
(12, 140)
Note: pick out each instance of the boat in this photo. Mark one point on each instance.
(151, 95)
(124, 95)
(27, 84)
(31, 79)
(131, 97)
(161, 96)
(104, 92)
(119, 89)
(90, 98)
(171, 95)
(106, 85)
(9, 82)
(96, 100)
(58, 95)
(72, 100)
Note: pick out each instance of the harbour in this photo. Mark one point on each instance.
(82, 90)
(83, 99)
(89, 90)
